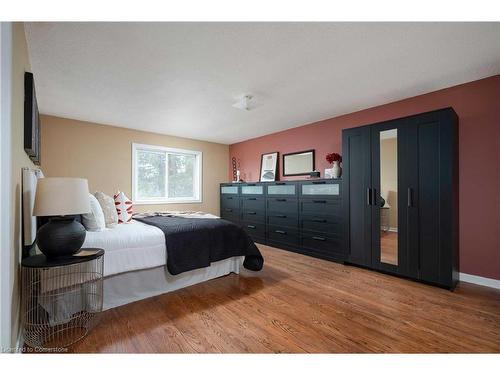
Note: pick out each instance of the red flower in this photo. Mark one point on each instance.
(330, 158)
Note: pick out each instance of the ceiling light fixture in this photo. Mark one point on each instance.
(244, 103)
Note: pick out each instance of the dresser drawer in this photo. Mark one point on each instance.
(282, 205)
(320, 243)
(282, 219)
(229, 202)
(255, 230)
(331, 225)
(230, 214)
(253, 216)
(252, 189)
(325, 189)
(229, 190)
(282, 235)
(283, 189)
(253, 204)
(320, 206)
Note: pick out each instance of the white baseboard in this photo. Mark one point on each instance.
(479, 280)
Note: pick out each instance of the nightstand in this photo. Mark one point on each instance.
(61, 297)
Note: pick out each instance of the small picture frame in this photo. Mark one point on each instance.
(269, 167)
(328, 172)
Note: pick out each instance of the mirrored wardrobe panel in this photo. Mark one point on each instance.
(388, 198)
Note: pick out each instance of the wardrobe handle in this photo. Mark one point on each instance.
(410, 198)
(374, 197)
(368, 196)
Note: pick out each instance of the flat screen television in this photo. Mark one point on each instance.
(31, 120)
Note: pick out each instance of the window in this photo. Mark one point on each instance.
(165, 175)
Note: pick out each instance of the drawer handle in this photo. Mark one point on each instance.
(251, 226)
(251, 199)
(280, 231)
(280, 216)
(279, 183)
(229, 209)
(319, 238)
(229, 197)
(251, 213)
(319, 182)
(281, 200)
(250, 184)
(319, 220)
(319, 201)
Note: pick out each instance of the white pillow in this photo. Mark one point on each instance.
(123, 208)
(108, 208)
(94, 220)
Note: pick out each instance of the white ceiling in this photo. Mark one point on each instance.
(182, 78)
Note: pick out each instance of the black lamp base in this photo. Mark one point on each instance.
(60, 237)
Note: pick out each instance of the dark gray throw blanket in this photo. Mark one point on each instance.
(194, 243)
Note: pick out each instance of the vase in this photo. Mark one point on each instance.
(337, 171)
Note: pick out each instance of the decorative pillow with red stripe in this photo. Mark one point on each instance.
(123, 208)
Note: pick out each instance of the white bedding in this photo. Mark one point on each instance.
(133, 246)
(129, 247)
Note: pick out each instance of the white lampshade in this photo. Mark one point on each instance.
(58, 196)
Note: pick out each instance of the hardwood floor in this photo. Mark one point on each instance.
(301, 304)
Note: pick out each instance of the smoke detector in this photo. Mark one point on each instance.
(244, 103)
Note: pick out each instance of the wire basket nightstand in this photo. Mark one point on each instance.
(61, 298)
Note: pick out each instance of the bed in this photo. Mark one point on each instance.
(136, 260)
(135, 264)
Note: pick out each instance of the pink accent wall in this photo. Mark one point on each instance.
(477, 104)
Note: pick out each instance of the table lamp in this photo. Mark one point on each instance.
(59, 197)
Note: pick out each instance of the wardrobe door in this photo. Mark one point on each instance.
(356, 189)
(389, 197)
(436, 197)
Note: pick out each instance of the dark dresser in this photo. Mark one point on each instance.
(302, 216)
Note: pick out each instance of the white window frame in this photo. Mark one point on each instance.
(198, 181)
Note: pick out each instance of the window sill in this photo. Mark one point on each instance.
(141, 203)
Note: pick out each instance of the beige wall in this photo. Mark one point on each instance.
(20, 64)
(389, 177)
(103, 155)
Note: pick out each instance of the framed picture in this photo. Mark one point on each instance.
(269, 167)
(298, 163)
(31, 120)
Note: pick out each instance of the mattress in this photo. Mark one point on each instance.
(129, 247)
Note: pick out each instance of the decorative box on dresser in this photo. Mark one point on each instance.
(301, 216)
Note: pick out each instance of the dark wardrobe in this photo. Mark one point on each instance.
(400, 185)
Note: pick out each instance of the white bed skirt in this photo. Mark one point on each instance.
(133, 286)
